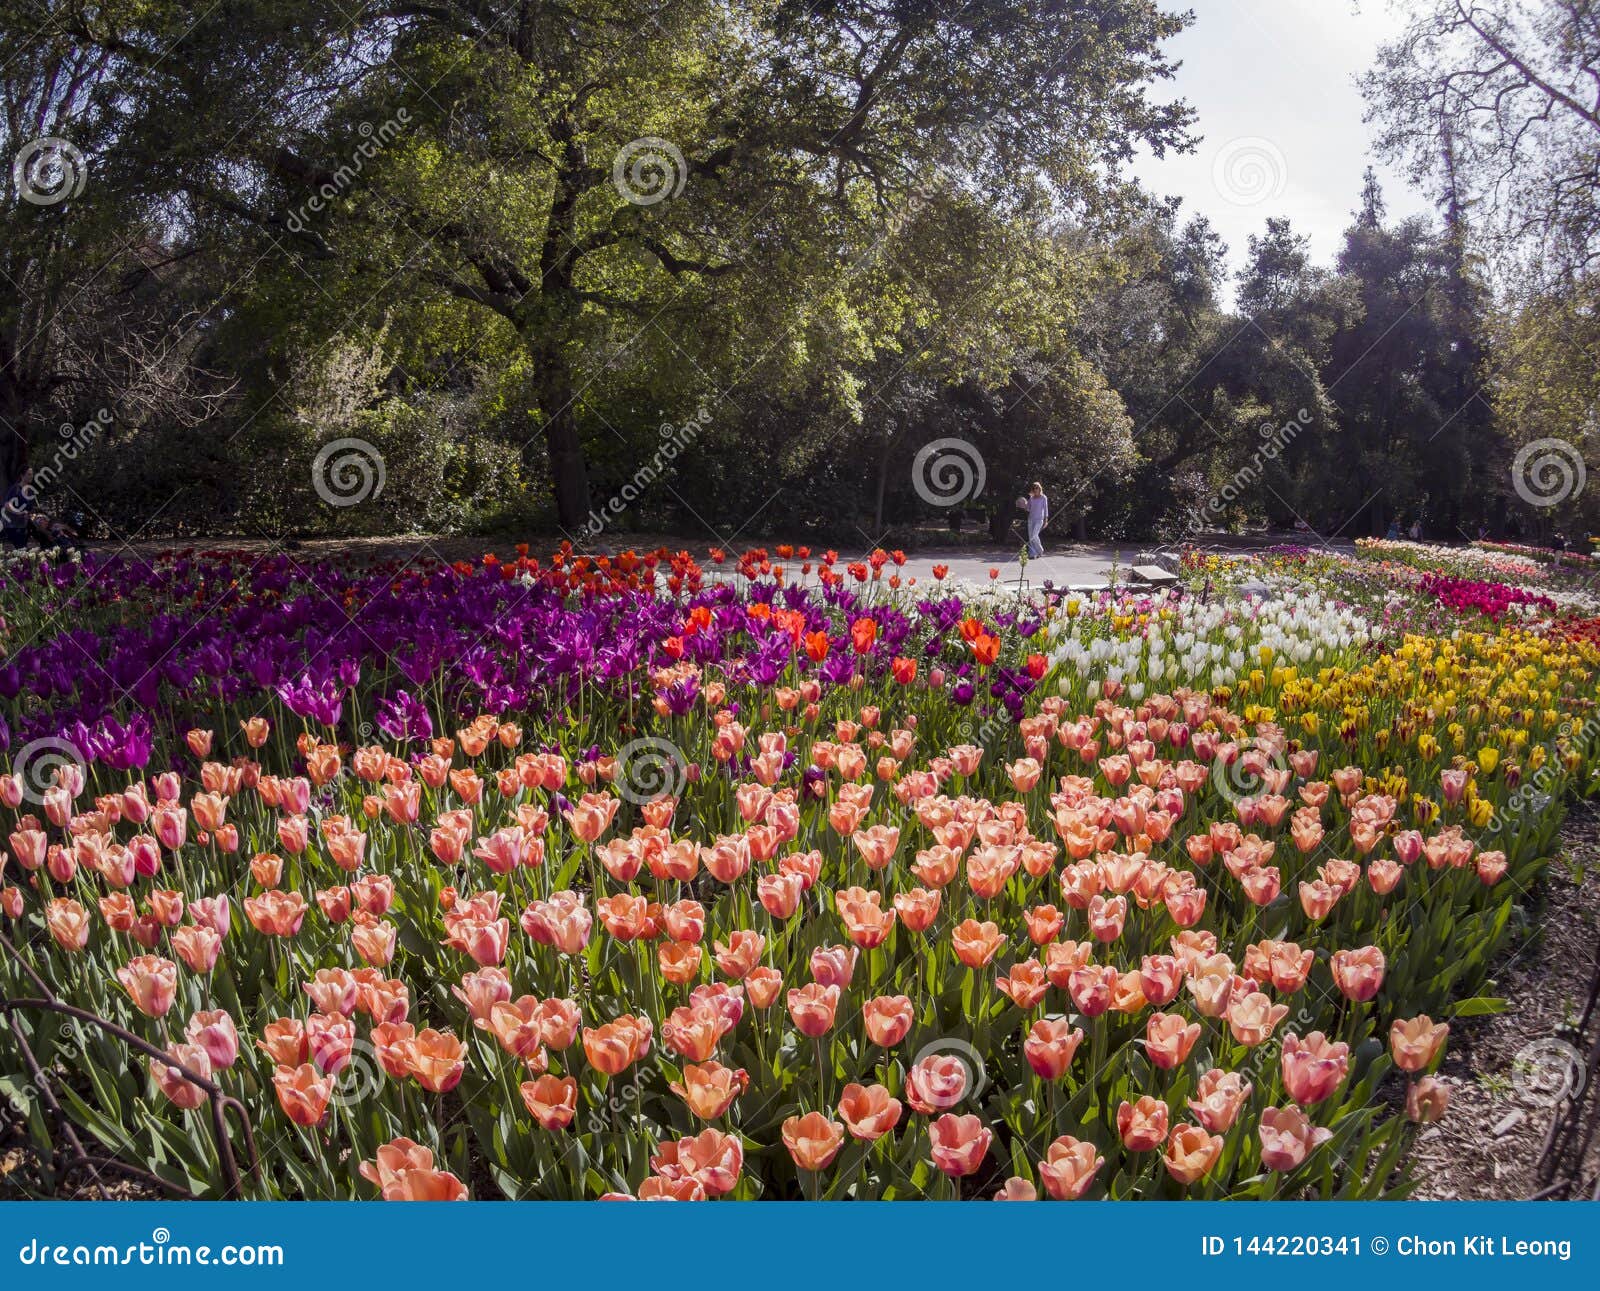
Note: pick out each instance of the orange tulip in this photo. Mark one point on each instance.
(1287, 1137)
(1219, 1097)
(551, 1100)
(812, 1007)
(213, 1031)
(1426, 1100)
(1281, 963)
(68, 922)
(976, 943)
(1050, 1046)
(330, 1039)
(762, 985)
(918, 908)
(868, 1111)
(174, 1086)
(711, 1159)
(516, 1025)
(480, 991)
(1191, 1153)
(436, 1059)
(276, 913)
(739, 954)
(394, 1158)
(937, 1083)
(709, 1089)
(1253, 1017)
(679, 961)
(813, 1140)
(1044, 924)
(391, 1045)
(1168, 1039)
(1358, 973)
(1142, 1126)
(284, 1041)
(1025, 984)
(614, 1047)
(1062, 957)
(403, 1171)
(1416, 1042)
(591, 815)
(1313, 1068)
(959, 1144)
(1069, 1168)
(888, 1019)
(151, 983)
(659, 1188)
(303, 1093)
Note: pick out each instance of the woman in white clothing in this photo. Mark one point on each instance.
(1038, 508)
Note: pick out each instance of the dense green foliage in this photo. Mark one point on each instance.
(517, 247)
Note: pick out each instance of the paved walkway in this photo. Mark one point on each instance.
(1074, 565)
(1062, 565)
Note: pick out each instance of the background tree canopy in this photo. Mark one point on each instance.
(743, 262)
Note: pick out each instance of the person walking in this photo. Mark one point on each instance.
(1038, 508)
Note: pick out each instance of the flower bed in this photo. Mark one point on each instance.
(598, 879)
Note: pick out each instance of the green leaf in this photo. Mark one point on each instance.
(1479, 1006)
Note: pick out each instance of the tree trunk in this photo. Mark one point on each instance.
(889, 437)
(569, 475)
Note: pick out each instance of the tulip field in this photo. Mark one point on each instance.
(768, 875)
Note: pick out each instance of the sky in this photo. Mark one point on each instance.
(1273, 84)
